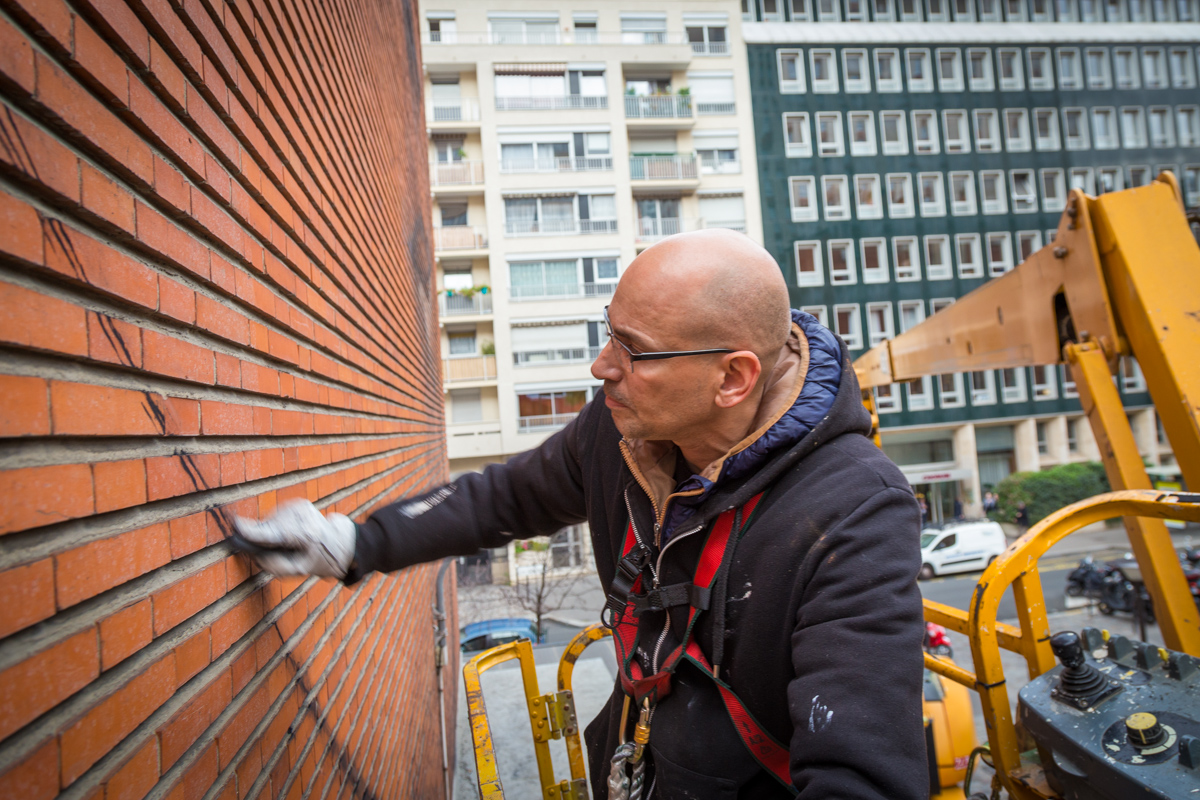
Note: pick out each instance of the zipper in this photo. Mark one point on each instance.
(638, 536)
(667, 625)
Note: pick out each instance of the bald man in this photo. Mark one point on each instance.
(759, 552)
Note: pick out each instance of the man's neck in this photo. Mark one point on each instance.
(720, 439)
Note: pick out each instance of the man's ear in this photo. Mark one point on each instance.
(741, 371)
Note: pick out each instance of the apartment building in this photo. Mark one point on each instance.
(910, 150)
(564, 138)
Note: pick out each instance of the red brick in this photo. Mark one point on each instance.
(242, 670)
(119, 484)
(124, 30)
(176, 300)
(106, 199)
(238, 568)
(53, 20)
(171, 185)
(192, 656)
(16, 57)
(21, 224)
(226, 419)
(163, 126)
(167, 355)
(199, 777)
(82, 409)
(124, 633)
(188, 534)
(79, 256)
(229, 370)
(178, 602)
(35, 777)
(218, 318)
(26, 407)
(170, 241)
(135, 777)
(114, 341)
(27, 596)
(214, 219)
(102, 65)
(110, 721)
(45, 679)
(194, 718)
(34, 320)
(172, 476)
(90, 569)
(36, 496)
(243, 722)
(231, 627)
(167, 74)
(233, 468)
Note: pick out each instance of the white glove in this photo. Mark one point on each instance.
(297, 539)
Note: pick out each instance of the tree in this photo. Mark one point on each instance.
(540, 589)
(1049, 490)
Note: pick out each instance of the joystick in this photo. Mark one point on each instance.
(1080, 684)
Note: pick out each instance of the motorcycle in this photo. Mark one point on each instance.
(936, 641)
(1115, 585)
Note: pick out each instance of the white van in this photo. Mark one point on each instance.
(960, 547)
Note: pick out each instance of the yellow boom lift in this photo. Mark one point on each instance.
(1119, 718)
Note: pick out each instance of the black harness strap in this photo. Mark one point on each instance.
(629, 568)
(678, 594)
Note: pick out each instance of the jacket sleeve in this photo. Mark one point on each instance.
(534, 493)
(855, 700)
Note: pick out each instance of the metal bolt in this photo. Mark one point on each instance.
(1060, 252)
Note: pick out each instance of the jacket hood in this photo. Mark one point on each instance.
(799, 395)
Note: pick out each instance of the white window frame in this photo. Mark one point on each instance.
(788, 86)
(937, 10)
(1189, 132)
(937, 304)
(922, 400)
(829, 10)
(852, 336)
(1117, 182)
(1087, 185)
(1016, 81)
(1069, 56)
(935, 207)
(1018, 142)
(1159, 77)
(1068, 385)
(1052, 141)
(837, 147)
(968, 206)
(820, 313)
(896, 82)
(938, 271)
(1041, 11)
(999, 203)
(974, 268)
(952, 56)
(869, 147)
(802, 149)
(817, 276)
(1100, 78)
(900, 147)
(1182, 65)
(880, 273)
(998, 265)
(905, 209)
(887, 398)
(1043, 389)
(1167, 138)
(1023, 202)
(1113, 140)
(992, 143)
(1138, 175)
(876, 337)
(1046, 81)
(987, 81)
(909, 244)
(848, 276)
(839, 211)
(922, 55)
(863, 84)
(933, 145)
(915, 306)
(1132, 79)
(1033, 238)
(799, 213)
(1057, 178)
(868, 210)
(827, 85)
(1083, 141)
(963, 143)
(954, 397)
(1017, 392)
(986, 395)
(1132, 124)
(1189, 181)
(1132, 379)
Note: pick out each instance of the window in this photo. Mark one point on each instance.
(887, 399)
(925, 136)
(796, 135)
(824, 72)
(1081, 178)
(1012, 385)
(862, 133)
(810, 269)
(546, 411)
(821, 313)
(829, 134)
(1012, 79)
(1109, 179)
(1054, 190)
(1154, 68)
(912, 314)
(1104, 128)
(842, 268)
(1044, 387)
(804, 198)
(1098, 74)
(846, 325)
(979, 71)
(791, 71)
(1042, 11)
(1040, 76)
(868, 198)
(1187, 119)
(908, 262)
(718, 152)
(1016, 130)
(585, 28)
(920, 76)
(991, 184)
(874, 260)
(962, 194)
(507, 30)
(1162, 131)
(856, 71)
(1138, 176)
(856, 10)
(1132, 379)
(933, 195)
(937, 259)
(1070, 73)
(910, 11)
(837, 197)
(1028, 243)
(887, 71)
(1014, 10)
(950, 390)
(1068, 384)
(1075, 122)
(1126, 68)
(920, 394)
(983, 388)
(883, 10)
(442, 28)
(900, 196)
(1183, 70)
(936, 11)
(895, 133)
(1066, 10)
(649, 28)
(950, 71)
(957, 134)
(569, 277)
(1024, 191)
(964, 10)
(999, 253)
(1133, 127)
(569, 214)
(830, 10)
(879, 323)
(462, 343)
(1045, 129)
(1185, 11)
(970, 262)
(707, 40)
(712, 93)
(989, 11)
(939, 303)
(987, 130)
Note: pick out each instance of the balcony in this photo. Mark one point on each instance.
(738, 225)
(458, 305)
(561, 291)
(455, 174)
(681, 171)
(451, 115)
(459, 237)
(564, 355)
(552, 102)
(464, 369)
(544, 423)
(650, 230)
(667, 106)
(513, 166)
(473, 439)
(558, 227)
(710, 48)
(538, 38)
(716, 109)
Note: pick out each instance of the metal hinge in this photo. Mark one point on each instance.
(553, 716)
(568, 790)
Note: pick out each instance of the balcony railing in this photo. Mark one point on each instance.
(564, 355)
(469, 368)
(670, 106)
(455, 173)
(544, 291)
(716, 109)
(738, 225)
(552, 102)
(661, 168)
(528, 227)
(457, 305)
(459, 237)
(465, 109)
(713, 166)
(541, 38)
(565, 164)
(650, 229)
(710, 48)
(544, 422)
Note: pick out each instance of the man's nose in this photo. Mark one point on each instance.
(605, 367)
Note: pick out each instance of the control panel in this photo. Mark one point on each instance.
(1118, 719)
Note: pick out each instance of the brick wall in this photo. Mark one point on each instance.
(215, 295)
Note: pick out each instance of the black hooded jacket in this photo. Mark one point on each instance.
(823, 622)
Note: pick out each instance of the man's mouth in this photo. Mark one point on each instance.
(613, 401)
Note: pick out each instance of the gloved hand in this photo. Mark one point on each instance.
(297, 539)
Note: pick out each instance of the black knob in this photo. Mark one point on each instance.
(1143, 731)
(1068, 649)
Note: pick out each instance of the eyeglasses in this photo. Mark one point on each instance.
(626, 356)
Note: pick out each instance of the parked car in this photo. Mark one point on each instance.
(491, 632)
(960, 547)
